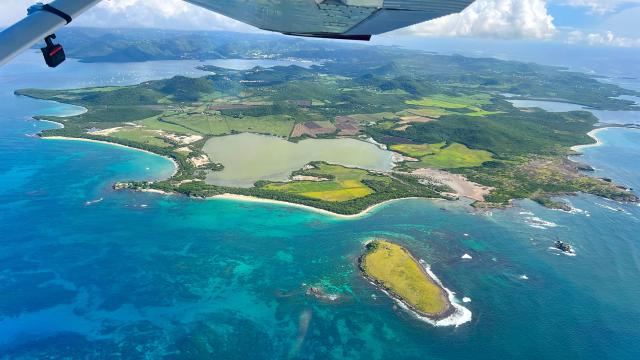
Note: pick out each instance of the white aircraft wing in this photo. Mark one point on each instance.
(346, 19)
(39, 24)
(342, 19)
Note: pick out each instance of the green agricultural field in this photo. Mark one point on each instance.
(140, 135)
(470, 102)
(393, 267)
(203, 124)
(417, 150)
(277, 125)
(365, 118)
(156, 123)
(211, 124)
(446, 157)
(430, 102)
(344, 184)
(428, 112)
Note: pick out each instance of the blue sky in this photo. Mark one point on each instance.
(590, 22)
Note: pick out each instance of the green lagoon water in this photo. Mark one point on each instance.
(250, 157)
(91, 273)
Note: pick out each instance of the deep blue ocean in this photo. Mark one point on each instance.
(91, 273)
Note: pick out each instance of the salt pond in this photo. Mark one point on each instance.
(250, 157)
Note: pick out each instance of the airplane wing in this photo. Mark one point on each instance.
(39, 24)
(340, 19)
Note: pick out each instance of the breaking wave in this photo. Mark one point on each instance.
(536, 222)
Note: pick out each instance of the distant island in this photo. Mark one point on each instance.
(395, 271)
(447, 119)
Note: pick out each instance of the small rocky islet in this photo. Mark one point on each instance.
(393, 269)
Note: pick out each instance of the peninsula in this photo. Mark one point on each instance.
(446, 120)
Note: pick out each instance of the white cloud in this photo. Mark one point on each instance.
(13, 10)
(165, 14)
(604, 38)
(172, 14)
(597, 6)
(495, 19)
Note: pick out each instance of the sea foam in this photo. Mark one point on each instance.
(91, 202)
(461, 314)
(536, 222)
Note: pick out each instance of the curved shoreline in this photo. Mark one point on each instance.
(361, 214)
(175, 164)
(592, 134)
(229, 196)
(245, 198)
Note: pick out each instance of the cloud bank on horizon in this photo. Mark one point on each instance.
(506, 19)
(501, 19)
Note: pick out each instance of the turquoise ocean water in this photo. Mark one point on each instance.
(87, 272)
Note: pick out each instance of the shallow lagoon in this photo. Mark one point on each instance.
(251, 157)
(605, 116)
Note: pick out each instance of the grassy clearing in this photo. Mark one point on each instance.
(366, 118)
(213, 124)
(417, 150)
(430, 102)
(427, 112)
(154, 123)
(142, 136)
(443, 157)
(455, 156)
(344, 184)
(457, 102)
(440, 102)
(393, 267)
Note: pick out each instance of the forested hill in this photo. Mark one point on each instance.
(126, 45)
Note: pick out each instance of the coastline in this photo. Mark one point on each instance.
(592, 134)
(245, 198)
(175, 164)
(60, 125)
(254, 199)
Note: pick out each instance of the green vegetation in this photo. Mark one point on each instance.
(442, 156)
(453, 156)
(437, 105)
(452, 102)
(417, 150)
(341, 184)
(142, 136)
(427, 112)
(393, 268)
(445, 111)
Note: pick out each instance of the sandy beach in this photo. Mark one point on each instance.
(361, 214)
(175, 164)
(592, 134)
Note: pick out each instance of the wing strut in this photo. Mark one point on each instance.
(41, 22)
